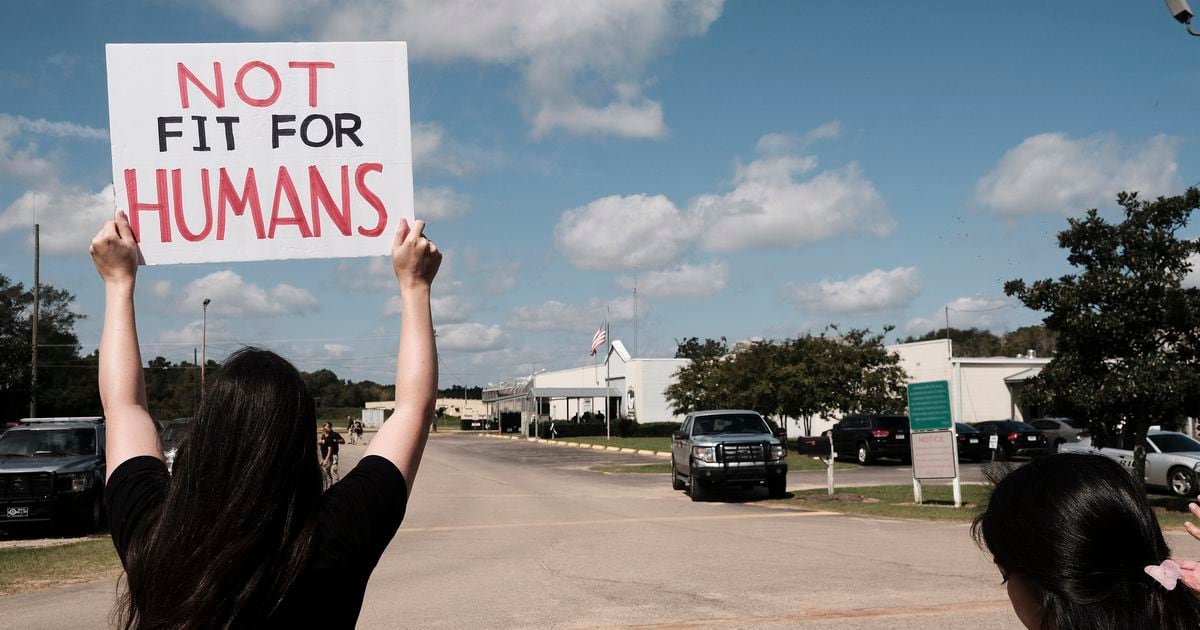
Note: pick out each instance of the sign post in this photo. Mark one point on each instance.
(934, 441)
(237, 152)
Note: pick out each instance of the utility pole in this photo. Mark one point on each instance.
(37, 306)
(195, 388)
(204, 345)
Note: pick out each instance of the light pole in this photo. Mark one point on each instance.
(1183, 13)
(204, 344)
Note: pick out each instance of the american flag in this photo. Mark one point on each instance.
(599, 338)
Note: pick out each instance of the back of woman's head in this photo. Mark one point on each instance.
(1080, 532)
(238, 519)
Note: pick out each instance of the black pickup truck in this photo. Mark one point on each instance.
(52, 473)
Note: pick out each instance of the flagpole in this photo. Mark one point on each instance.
(607, 357)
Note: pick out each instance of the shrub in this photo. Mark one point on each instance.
(629, 428)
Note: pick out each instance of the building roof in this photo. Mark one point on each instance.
(1023, 375)
(572, 392)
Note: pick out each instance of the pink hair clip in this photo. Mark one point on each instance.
(1167, 573)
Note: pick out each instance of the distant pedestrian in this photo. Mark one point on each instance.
(239, 534)
(350, 429)
(330, 440)
(1078, 547)
(553, 431)
(357, 432)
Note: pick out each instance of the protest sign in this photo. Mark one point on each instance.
(225, 152)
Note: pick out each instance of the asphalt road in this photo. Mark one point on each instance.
(518, 535)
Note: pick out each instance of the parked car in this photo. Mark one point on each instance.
(1014, 438)
(171, 435)
(52, 472)
(1172, 459)
(866, 438)
(727, 447)
(972, 443)
(1060, 431)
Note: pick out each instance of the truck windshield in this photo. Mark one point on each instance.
(731, 423)
(30, 443)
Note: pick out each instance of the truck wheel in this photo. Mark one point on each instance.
(676, 482)
(864, 454)
(89, 519)
(777, 488)
(696, 487)
(1182, 482)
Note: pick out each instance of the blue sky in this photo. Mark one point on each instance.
(763, 168)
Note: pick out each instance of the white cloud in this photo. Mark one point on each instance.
(579, 318)
(1192, 279)
(446, 308)
(431, 150)
(492, 275)
(375, 275)
(234, 297)
(439, 204)
(469, 336)
(58, 129)
(875, 291)
(69, 218)
(684, 281)
(1052, 173)
(160, 289)
(564, 50)
(620, 233)
(987, 312)
(770, 207)
(193, 334)
(337, 350)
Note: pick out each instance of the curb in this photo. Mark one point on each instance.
(603, 447)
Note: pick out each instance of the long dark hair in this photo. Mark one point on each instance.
(237, 524)
(1080, 530)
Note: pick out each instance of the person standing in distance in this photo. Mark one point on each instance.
(241, 535)
(329, 453)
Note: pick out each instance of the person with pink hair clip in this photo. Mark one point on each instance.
(1078, 546)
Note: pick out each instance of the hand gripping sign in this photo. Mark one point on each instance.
(226, 152)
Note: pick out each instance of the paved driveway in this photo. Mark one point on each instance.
(516, 535)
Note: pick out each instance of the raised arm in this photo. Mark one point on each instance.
(130, 431)
(401, 439)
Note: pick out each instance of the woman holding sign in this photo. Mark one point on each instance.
(241, 535)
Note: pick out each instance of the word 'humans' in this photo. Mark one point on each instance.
(170, 194)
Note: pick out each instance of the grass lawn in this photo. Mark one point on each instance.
(893, 502)
(897, 502)
(32, 568)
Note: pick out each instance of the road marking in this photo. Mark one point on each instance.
(820, 615)
(615, 521)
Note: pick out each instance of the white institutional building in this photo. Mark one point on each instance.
(619, 386)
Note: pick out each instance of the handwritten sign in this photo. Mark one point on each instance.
(226, 152)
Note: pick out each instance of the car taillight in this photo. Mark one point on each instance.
(880, 432)
(1012, 436)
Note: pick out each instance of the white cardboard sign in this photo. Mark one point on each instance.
(226, 152)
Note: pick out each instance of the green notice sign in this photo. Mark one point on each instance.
(929, 406)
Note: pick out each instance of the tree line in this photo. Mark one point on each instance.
(67, 377)
(804, 377)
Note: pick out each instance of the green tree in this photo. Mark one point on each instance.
(966, 342)
(698, 385)
(1128, 346)
(66, 381)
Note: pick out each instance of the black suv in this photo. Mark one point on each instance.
(52, 472)
(867, 437)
